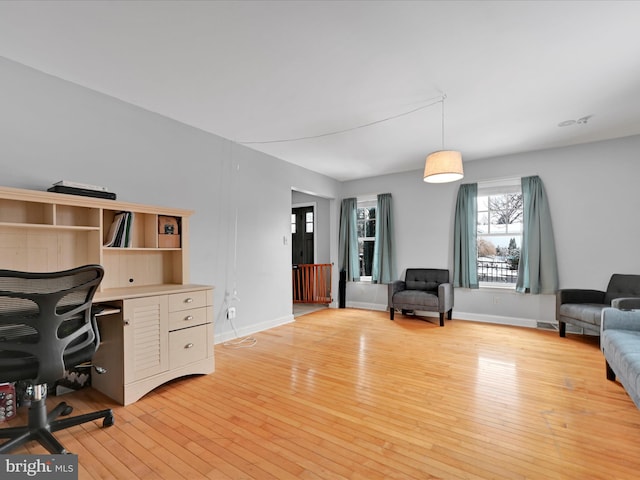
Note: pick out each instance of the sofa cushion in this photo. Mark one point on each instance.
(622, 351)
(414, 299)
(630, 375)
(586, 312)
(620, 343)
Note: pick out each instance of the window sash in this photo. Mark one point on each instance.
(366, 238)
(497, 272)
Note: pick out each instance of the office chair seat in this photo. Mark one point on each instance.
(46, 327)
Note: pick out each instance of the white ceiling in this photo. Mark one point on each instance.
(267, 70)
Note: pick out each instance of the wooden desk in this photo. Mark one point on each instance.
(161, 326)
(152, 336)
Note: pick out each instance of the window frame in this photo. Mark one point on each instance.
(365, 202)
(309, 225)
(496, 188)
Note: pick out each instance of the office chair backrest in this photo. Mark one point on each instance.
(46, 321)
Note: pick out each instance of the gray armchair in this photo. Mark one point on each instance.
(423, 289)
(584, 307)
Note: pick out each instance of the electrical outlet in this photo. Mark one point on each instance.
(231, 313)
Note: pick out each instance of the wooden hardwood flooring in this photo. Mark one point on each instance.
(349, 394)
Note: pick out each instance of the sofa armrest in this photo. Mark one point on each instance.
(612, 318)
(577, 295)
(394, 287)
(626, 303)
(445, 297)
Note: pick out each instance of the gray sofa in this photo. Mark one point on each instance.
(583, 307)
(620, 344)
(423, 289)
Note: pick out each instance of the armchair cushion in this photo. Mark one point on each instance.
(422, 286)
(586, 312)
(416, 300)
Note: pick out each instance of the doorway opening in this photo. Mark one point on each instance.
(311, 272)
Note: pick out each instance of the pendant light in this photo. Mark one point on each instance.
(443, 165)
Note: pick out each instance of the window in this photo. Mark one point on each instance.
(500, 220)
(366, 236)
(308, 222)
(293, 223)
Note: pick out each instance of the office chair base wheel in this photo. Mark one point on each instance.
(108, 421)
(67, 410)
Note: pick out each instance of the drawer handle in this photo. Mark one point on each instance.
(188, 318)
(189, 345)
(188, 300)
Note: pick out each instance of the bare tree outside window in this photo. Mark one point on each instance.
(507, 209)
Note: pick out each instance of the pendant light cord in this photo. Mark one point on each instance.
(337, 132)
(442, 100)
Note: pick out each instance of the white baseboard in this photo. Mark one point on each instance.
(474, 317)
(497, 319)
(230, 334)
(366, 306)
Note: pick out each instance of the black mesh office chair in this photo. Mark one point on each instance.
(46, 327)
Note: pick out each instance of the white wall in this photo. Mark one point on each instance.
(594, 201)
(51, 130)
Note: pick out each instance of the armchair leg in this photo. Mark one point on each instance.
(442, 319)
(562, 328)
(449, 313)
(391, 312)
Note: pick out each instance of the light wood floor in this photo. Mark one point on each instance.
(351, 394)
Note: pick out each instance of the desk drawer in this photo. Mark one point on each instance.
(187, 318)
(187, 346)
(187, 300)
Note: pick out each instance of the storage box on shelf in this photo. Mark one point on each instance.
(44, 231)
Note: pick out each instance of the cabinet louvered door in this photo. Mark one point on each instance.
(146, 329)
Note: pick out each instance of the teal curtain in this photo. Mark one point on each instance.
(348, 260)
(538, 268)
(383, 270)
(465, 246)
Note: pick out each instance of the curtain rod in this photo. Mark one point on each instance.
(504, 179)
